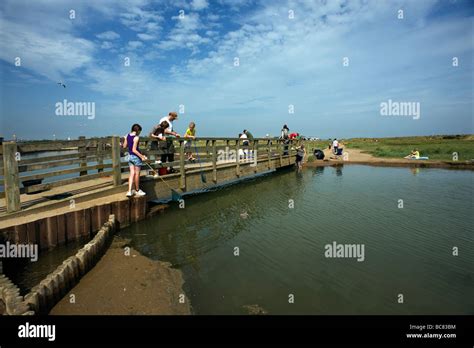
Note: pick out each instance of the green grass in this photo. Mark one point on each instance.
(439, 147)
(435, 147)
(312, 145)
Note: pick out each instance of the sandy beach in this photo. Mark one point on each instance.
(126, 285)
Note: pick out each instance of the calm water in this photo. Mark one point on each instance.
(407, 251)
(27, 274)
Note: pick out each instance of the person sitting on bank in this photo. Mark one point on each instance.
(415, 154)
(191, 135)
(335, 146)
(158, 133)
(168, 146)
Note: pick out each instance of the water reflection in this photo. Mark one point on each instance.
(318, 171)
(338, 170)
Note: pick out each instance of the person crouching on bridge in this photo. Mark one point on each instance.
(135, 158)
(158, 133)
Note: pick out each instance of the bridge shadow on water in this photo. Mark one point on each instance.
(216, 187)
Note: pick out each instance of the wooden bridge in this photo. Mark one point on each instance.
(46, 178)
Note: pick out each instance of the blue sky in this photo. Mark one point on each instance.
(282, 61)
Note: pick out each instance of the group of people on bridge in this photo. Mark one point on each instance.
(163, 134)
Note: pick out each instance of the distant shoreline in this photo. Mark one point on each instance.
(356, 156)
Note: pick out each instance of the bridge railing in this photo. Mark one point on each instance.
(32, 167)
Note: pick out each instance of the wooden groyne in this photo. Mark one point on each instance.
(55, 285)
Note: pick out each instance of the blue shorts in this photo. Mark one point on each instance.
(187, 145)
(134, 160)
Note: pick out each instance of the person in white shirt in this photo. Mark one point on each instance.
(243, 153)
(335, 145)
(168, 147)
(170, 118)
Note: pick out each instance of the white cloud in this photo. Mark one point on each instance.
(42, 33)
(108, 35)
(198, 5)
(185, 34)
(212, 17)
(146, 37)
(138, 19)
(52, 56)
(211, 33)
(236, 5)
(134, 45)
(106, 45)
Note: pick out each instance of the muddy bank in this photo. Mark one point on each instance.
(122, 284)
(355, 156)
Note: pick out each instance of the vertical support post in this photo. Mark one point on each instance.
(237, 157)
(290, 143)
(269, 152)
(255, 154)
(214, 162)
(182, 169)
(82, 154)
(11, 177)
(100, 154)
(116, 166)
(280, 151)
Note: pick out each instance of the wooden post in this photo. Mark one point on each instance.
(237, 156)
(11, 177)
(269, 151)
(82, 154)
(214, 162)
(255, 154)
(182, 169)
(280, 151)
(288, 157)
(100, 154)
(116, 167)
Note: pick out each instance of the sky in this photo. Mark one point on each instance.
(322, 67)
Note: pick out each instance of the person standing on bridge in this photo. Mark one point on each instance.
(284, 137)
(190, 135)
(249, 137)
(168, 146)
(293, 136)
(135, 158)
